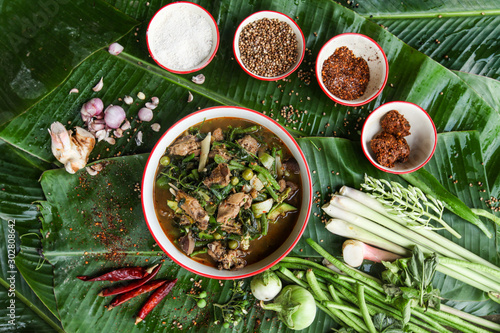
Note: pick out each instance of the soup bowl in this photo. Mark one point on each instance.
(149, 177)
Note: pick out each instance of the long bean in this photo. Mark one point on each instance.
(348, 270)
(364, 309)
(264, 225)
(313, 283)
(266, 174)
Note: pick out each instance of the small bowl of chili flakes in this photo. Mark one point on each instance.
(399, 137)
(352, 69)
(269, 45)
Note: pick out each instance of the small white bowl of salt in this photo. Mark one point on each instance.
(182, 37)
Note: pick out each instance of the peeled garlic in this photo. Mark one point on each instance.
(198, 79)
(190, 97)
(91, 171)
(156, 127)
(99, 85)
(72, 151)
(155, 100)
(126, 125)
(138, 138)
(151, 106)
(141, 95)
(74, 90)
(128, 100)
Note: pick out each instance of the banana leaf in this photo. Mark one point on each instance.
(31, 292)
(42, 41)
(459, 35)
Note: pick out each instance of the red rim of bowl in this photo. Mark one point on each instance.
(197, 68)
(309, 207)
(387, 169)
(274, 78)
(329, 94)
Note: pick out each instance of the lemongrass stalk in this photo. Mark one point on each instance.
(470, 277)
(349, 230)
(471, 265)
(436, 242)
(473, 319)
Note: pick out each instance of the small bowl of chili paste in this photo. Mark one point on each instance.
(399, 137)
(352, 69)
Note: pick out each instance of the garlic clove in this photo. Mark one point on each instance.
(74, 91)
(91, 171)
(99, 85)
(115, 49)
(118, 133)
(109, 140)
(155, 100)
(101, 135)
(97, 166)
(126, 125)
(151, 106)
(128, 100)
(138, 138)
(198, 79)
(190, 97)
(141, 95)
(156, 127)
(72, 151)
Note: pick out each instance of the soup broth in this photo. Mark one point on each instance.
(240, 236)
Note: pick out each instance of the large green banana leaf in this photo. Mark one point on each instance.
(473, 50)
(42, 41)
(84, 234)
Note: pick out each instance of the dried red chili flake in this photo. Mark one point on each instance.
(154, 300)
(115, 290)
(122, 298)
(345, 75)
(121, 274)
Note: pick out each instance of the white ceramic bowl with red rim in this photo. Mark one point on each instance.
(366, 48)
(196, 9)
(148, 181)
(301, 42)
(422, 140)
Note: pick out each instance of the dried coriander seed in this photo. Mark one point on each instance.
(268, 47)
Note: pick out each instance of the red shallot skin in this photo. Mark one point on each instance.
(114, 116)
(145, 114)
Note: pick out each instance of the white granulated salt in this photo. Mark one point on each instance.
(179, 38)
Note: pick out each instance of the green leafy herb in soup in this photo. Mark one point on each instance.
(227, 192)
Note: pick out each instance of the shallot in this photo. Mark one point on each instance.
(155, 100)
(99, 85)
(128, 100)
(114, 116)
(145, 114)
(115, 49)
(355, 252)
(91, 109)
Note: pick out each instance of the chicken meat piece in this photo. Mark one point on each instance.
(291, 165)
(221, 175)
(72, 151)
(187, 243)
(229, 208)
(221, 151)
(193, 208)
(249, 144)
(185, 145)
(218, 135)
(231, 259)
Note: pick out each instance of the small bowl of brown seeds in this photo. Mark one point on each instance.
(352, 69)
(269, 45)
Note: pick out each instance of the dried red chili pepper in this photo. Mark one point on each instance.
(115, 290)
(128, 273)
(122, 298)
(154, 300)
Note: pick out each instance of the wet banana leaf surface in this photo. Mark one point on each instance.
(94, 224)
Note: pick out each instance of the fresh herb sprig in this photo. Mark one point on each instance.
(234, 310)
(410, 203)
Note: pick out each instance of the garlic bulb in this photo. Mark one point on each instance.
(72, 151)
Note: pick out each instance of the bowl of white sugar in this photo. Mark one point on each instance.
(182, 37)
